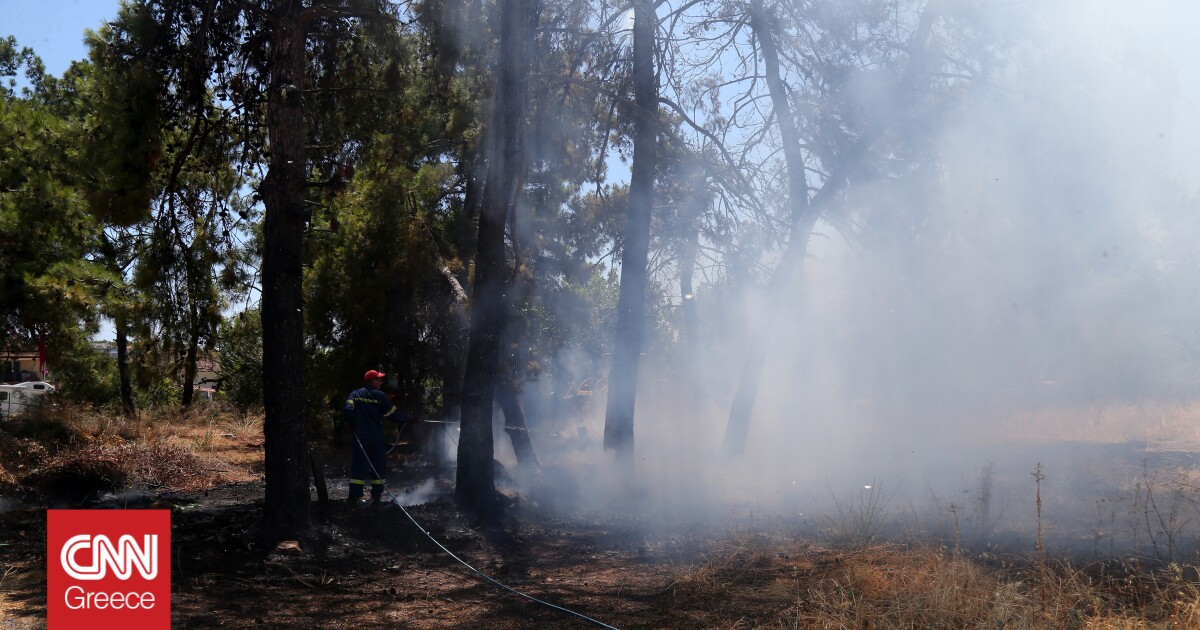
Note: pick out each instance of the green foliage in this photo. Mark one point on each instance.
(125, 122)
(159, 392)
(164, 175)
(387, 229)
(18, 61)
(240, 352)
(45, 231)
(137, 160)
(374, 291)
(86, 375)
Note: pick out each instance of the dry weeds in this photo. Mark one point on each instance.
(887, 586)
(74, 452)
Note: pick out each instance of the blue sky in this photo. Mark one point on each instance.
(54, 28)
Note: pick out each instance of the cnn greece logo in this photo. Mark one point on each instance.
(103, 569)
(122, 557)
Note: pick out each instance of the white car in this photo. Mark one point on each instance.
(37, 386)
(17, 398)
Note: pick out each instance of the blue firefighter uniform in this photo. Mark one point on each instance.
(365, 410)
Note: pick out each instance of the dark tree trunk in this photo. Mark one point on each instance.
(695, 207)
(475, 172)
(457, 328)
(802, 222)
(113, 255)
(122, 331)
(475, 483)
(450, 365)
(514, 424)
(286, 512)
(631, 305)
(189, 365)
(399, 351)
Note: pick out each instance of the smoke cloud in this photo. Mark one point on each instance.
(1023, 297)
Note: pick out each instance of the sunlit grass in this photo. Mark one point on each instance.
(165, 448)
(778, 583)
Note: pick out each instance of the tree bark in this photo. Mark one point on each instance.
(631, 305)
(286, 510)
(451, 361)
(688, 366)
(122, 331)
(802, 222)
(475, 480)
(189, 365)
(514, 424)
(695, 205)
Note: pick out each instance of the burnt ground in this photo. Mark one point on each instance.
(367, 567)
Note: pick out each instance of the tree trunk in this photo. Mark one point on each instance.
(286, 512)
(450, 366)
(695, 205)
(688, 367)
(506, 392)
(804, 214)
(475, 172)
(631, 305)
(457, 328)
(514, 424)
(398, 352)
(189, 365)
(122, 331)
(750, 381)
(802, 222)
(475, 482)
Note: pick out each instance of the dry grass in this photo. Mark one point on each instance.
(112, 465)
(856, 521)
(887, 588)
(772, 583)
(73, 451)
(18, 456)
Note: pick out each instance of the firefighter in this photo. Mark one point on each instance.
(365, 410)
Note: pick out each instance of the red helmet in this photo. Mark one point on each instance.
(372, 375)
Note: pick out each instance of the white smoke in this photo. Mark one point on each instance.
(1044, 262)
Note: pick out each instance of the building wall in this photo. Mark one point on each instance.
(15, 368)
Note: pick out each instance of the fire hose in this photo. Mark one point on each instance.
(397, 443)
(481, 574)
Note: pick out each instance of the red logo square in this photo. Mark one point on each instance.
(108, 569)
